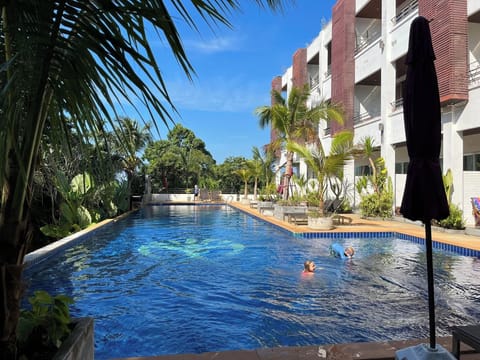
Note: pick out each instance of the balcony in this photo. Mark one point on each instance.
(397, 104)
(474, 73)
(412, 6)
(363, 42)
(364, 116)
(329, 71)
(314, 81)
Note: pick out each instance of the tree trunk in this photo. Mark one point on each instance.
(13, 246)
(11, 293)
(288, 175)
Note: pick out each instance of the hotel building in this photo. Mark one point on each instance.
(358, 60)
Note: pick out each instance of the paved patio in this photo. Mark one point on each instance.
(361, 351)
(358, 351)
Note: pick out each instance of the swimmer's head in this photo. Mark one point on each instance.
(349, 251)
(309, 266)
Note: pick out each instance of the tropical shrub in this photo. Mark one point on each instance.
(293, 200)
(376, 192)
(269, 193)
(41, 330)
(74, 216)
(454, 220)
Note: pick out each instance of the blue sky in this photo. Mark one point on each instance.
(234, 69)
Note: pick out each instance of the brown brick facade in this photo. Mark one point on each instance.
(299, 68)
(343, 62)
(449, 30)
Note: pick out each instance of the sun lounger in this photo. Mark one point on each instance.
(342, 220)
(469, 335)
(294, 212)
(298, 219)
(476, 210)
(263, 206)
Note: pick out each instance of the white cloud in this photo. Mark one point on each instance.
(213, 45)
(219, 95)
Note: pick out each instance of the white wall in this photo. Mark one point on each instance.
(396, 133)
(467, 117)
(399, 36)
(400, 180)
(368, 128)
(368, 61)
(360, 4)
(473, 6)
(161, 198)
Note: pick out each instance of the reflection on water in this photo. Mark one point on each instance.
(189, 279)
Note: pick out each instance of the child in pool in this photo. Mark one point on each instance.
(337, 250)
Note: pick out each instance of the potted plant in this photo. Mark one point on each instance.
(47, 331)
(295, 205)
(325, 167)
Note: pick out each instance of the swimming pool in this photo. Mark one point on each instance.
(191, 279)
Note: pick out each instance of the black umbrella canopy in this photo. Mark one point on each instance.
(424, 197)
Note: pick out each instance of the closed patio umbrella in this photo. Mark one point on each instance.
(424, 197)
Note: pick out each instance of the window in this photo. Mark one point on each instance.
(471, 162)
(401, 167)
(362, 170)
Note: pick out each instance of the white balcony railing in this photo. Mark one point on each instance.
(361, 117)
(366, 40)
(329, 71)
(413, 5)
(397, 104)
(314, 81)
(474, 72)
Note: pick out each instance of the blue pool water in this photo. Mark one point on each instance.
(191, 279)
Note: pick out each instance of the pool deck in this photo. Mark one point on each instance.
(361, 351)
(358, 351)
(358, 224)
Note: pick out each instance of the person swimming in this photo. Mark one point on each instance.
(309, 267)
(337, 250)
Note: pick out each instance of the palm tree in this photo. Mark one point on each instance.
(267, 161)
(325, 166)
(245, 174)
(256, 170)
(79, 58)
(302, 183)
(131, 139)
(293, 120)
(366, 149)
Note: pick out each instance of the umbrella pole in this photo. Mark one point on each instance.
(431, 290)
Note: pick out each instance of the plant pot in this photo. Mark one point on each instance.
(320, 223)
(245, 201)
(80, 343)
(281, 212)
